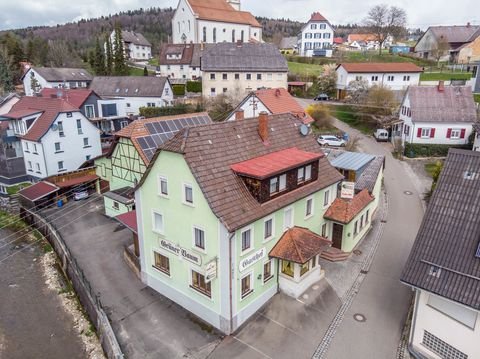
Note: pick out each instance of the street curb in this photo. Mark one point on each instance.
(348, 298)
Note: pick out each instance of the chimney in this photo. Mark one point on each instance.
(263, 126)
(201, 46)
(239, 43)
(239, 115)
(441, 86)
(277, 92)
(468, 24)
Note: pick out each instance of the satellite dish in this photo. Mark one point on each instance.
(304, 130)
(54, 127)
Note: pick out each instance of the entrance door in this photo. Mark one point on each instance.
(337, 235)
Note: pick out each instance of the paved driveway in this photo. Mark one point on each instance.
(147, 324)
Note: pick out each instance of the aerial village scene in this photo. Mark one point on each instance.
(213, 179)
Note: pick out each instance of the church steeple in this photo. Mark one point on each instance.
(235, 4)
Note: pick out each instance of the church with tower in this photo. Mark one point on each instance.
(213, 21)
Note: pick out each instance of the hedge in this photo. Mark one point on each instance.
(413, 150)
(178, 90)
(194, 86)
(169, 110)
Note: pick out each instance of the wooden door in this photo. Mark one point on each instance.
(337, 235)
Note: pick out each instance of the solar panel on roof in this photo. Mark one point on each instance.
(164, 126)
(190, 121)
(143, 144)
(158, 128)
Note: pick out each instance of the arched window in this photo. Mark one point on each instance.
(179, 27)
(241, 36)
(214, 35)
(233, 35)
(204, 34)
(189, 27)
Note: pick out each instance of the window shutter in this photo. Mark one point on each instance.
(449, 133)
(432, 133)
(419, 133)
(462, 133)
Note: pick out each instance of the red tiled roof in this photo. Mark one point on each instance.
(299, 245)
(372, 67)
(337, 40)
(76, 97)
(279, 101)
(77, 180)
(20, 113)
(50, 108)
(344, 210)
(38, 190)
(274, 163)
(362, 37)
(220, 10)
(316, 16)
(129, 220)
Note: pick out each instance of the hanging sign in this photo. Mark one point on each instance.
(211, 271)
(347, 190)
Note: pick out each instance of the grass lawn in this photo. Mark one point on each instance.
(374, 56)
(476, 97)
(347, 114)
(445, 76)
(14, 189)
(153, 61)
(296, 68)
(134, 71)
(431, 167)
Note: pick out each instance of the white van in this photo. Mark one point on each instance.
(381, 135)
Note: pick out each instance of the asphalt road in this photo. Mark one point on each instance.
(33, 322)
(382, 299)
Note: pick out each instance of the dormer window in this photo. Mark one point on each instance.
(278, 184)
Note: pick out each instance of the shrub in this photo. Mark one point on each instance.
(321, 115)
(178, 90)
(169, 110)
(194, 86)
(413, 150)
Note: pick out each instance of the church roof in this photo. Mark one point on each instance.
(221, 10)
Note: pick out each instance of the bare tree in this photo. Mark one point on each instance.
(357, 91)
(385, 21)
(441, 48)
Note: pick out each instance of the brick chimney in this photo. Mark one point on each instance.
(263, 126)
(239, 115)
(441, 86)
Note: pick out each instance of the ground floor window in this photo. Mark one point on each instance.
(162, 263)
(287, 268)
(267, 271)
(247, 285)
(304, 268)
(116, 205)
(3, 189)
(199, 284)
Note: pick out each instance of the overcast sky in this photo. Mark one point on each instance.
(421, 13)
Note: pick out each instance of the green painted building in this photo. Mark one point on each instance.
(230, 213)
(132, 149)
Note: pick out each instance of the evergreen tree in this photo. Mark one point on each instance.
(109, 55)
(119, 63)
(6, 73)
(91, 59)
(145, 71)
(99, 60)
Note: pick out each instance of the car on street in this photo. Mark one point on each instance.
(321, 97)
(80, 194)
(329, 140)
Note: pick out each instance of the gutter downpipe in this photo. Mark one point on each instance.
(230, 279)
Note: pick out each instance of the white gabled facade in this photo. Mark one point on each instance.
(134, 51)
(184, 71)
(316, 37)
(443, 328)
(33, 83)
(71, 140)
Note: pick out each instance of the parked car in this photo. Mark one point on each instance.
(328, 140)
(80, 194)
(321, 97)
(381, 135)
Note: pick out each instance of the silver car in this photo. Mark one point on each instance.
(79, 195)
(328, 140)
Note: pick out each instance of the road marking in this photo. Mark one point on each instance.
(253, 348)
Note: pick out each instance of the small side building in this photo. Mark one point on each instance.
(37, 78)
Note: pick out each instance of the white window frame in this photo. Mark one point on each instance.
(157, 269)
(184, 195)
(427, 131)
(272, 218)
(272, 271)
(326, 198)
(160, 179)
(308, 173)
(194, 244)
(62, 167)
(285, 216)
(252, 285)
(324, 230)
(457, 132)
(154, 229)
(59, 147)
(93, 111)
(252, 241)
(312, 208)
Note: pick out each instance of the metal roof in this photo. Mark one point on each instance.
(443, 258)
(352, 161)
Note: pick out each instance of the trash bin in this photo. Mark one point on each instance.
(346, 137)
(60, 203)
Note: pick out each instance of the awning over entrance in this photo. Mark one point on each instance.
(129, 220)
(344, 210)
(38, 191)
(299, 245)
(89, 178)
(122, 195)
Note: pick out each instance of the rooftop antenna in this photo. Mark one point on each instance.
(254, 103)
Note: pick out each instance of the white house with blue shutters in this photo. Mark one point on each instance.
(316, 37)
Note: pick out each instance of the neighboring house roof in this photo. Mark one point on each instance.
(476, 127)
(221, 11)
(150, 133)
(274, 163)
(211, 150)
(198, 51)
(135, 38)
(18, 114)
(452, 104)
(124, 195)
(60, 74)
(49, 107)
(352, 161)
(316, 16)
(299, 245)
(128, 86)
(8, 97)
(362, 37)
(129, 220)
(76, 97)
(386, 67)
(38, 191)
(289, 42)
(369, 176)
(445, 258)
(184, 50)
(456, 34)
(337, 40)
(244, 57)
(344, 210)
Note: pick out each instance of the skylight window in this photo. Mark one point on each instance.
(478, 251)
(470, 175)
(117, 90)
(435, 271)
